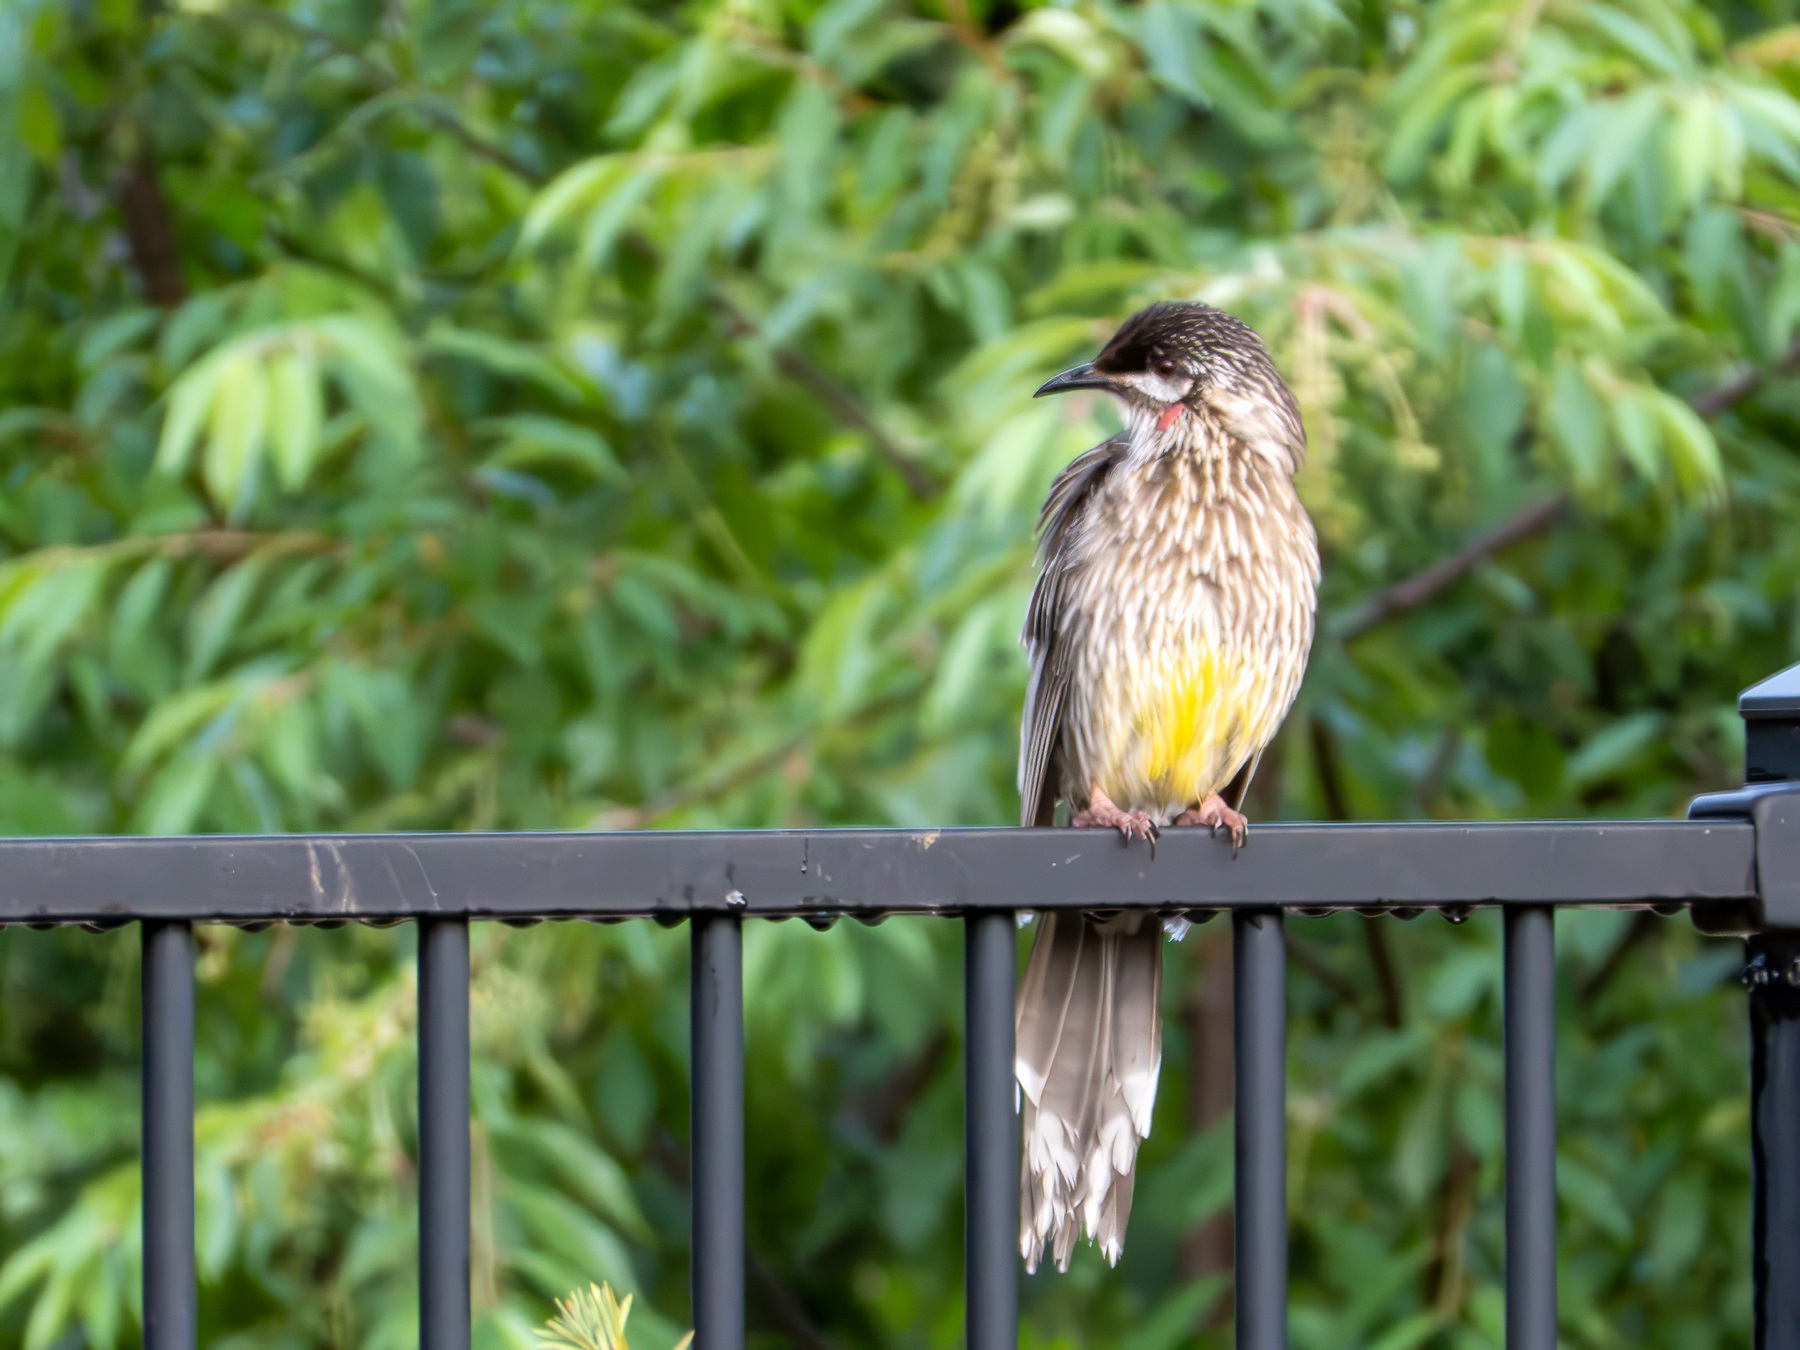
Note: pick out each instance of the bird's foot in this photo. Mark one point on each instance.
(1102, 813)
(1215, 815)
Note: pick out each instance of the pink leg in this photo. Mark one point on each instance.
(1101, 813)
(1213, 814)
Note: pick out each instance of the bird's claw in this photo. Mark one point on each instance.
(1102, 813)
(1131, 824)
(1216, 816)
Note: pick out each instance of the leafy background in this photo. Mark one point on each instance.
(594, 414)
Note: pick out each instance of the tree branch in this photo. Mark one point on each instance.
(427, 105)
(884, 1108)
(1740, 386)
(843, 404)
(918, 479)
(784, 1306)
(1315, 963)
(1456, 1208)
(433, 110)
(150, 231)
(296, 246)
(223, 545)
(1326, 771)
(1645, 925)
(689, 794)
(1387, 978)
(1426, 586)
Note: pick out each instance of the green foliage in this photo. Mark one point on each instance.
(583, 413)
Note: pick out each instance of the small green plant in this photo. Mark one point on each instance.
(592, 1319)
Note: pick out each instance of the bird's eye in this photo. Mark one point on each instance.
(1163, 370)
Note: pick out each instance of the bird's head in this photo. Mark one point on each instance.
(1178, 357)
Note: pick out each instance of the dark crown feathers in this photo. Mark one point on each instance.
(1199, 339)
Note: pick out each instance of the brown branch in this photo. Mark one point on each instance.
(1430, 784)
(677, 798)
(283, 944)
(297, 247)
(475, 143)
(467, 729)
(919, 480)
(669, 1157)
(1387, 977)
(150, 231)
(1740, 386)
(1315, 963)
(1426, 586)
(674, 799)
(222, 545)
(1645, 925)
(1329, 773)
(637, 817)
(1456, 1208)
(1325, 769)
(885, 1107)
(229, 544)
(784, 1306)
(425, 104)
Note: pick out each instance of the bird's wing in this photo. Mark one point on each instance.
(1045, 634)
(1239, 786)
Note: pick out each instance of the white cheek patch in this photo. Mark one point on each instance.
(1157, 388)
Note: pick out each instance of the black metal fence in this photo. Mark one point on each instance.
(1735, 866)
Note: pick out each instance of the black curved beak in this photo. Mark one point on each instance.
(1083, 376)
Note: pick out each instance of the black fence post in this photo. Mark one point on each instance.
(1774, 980)
(171, 1300)
(716, 1130)
(1771, 713)
(1530, 1128)
(444, 1134)
(990, 1134)
(1259, 993)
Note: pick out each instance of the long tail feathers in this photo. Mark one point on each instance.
(1089, 1038)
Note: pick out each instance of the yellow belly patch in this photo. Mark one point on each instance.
(1193, 722)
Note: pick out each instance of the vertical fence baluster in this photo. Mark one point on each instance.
(990, 1134)
(1774, 981)
(1771, 713)
(1259, 968)
(716, 1131)
(1530, 1128)
(171, 1301)
(444, 1134)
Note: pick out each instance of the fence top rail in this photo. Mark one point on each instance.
(867, 873)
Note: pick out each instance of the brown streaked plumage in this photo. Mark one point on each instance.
(1168, 635)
